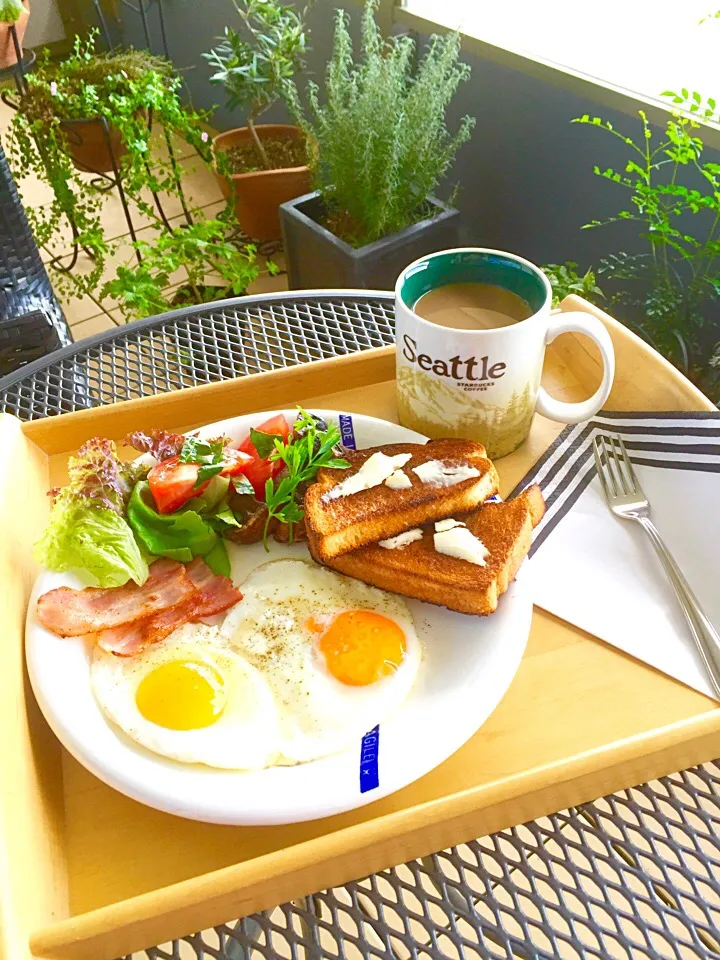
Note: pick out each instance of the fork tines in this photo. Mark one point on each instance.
(615, 470)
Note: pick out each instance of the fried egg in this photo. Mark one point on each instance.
(191, 698)
(338, 656)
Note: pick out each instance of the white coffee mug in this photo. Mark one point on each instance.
(485, 384)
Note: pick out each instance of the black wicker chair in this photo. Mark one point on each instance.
(31, 321)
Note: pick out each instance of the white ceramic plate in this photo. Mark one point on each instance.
(468, 664)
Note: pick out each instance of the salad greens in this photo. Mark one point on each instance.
(105, 519)
(161, 444)
(208, 453)
(186, 533)
(242, 485)
(264, 443)
(87, 527)
(307, 450)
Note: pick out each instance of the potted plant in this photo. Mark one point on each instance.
(117, 94)
(381, 146)
(266, 164)
(214, 268)
(99, 102)
(12, 13)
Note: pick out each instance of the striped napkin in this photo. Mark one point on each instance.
(601, 573)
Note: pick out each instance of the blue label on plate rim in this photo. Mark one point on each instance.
(369, 749)
(347, 434)
(370, 744)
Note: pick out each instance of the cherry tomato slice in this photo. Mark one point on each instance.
(260, 471)
(235, 462)
(172, 483)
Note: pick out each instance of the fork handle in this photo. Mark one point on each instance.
(704, 634)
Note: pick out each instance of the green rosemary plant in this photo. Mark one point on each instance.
(380, 143)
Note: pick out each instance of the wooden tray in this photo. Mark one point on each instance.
(87, 873)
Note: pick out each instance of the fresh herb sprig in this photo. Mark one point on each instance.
(209, 454)
(264, 443)
(307, 450)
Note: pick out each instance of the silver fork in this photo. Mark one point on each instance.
(626, 499)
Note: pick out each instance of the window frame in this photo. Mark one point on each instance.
(393, 14)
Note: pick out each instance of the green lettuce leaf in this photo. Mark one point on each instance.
(87, 529)
(180, 536)
(94, 539)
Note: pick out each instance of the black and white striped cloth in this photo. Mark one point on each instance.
(600, 573)
(683, 441)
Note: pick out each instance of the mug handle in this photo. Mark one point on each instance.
(577, 322)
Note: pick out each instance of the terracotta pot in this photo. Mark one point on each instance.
(258, 194)
(8, 56)
(89, 147)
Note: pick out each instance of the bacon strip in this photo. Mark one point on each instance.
(72, 613)
(200, 573)
(214, 595)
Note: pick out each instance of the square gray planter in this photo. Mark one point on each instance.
(317, 259)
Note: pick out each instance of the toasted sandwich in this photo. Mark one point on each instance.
(419, 571)
(389, 489)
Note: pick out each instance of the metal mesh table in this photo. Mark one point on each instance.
(633, 875)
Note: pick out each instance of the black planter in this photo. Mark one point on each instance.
(317, 259)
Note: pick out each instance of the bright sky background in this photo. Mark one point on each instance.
(645, 46)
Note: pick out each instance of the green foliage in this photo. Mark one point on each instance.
(669, 291)
(122, 88)
(564, 280)
(199, 249)
(10, 11)
(303, 454)
(256, 64)
(380, 141)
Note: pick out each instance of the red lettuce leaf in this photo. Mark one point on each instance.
(162, 444)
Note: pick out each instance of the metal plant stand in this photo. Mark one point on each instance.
(633, 876)
(102, 180)
(151, 14)
(25, 58)
(112, 179)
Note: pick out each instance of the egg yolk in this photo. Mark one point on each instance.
(361, 647)
(181, 695)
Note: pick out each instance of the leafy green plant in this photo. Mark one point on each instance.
(10, 11)
(309, 449)
(668, 291)
(256, 64)
(125, 89)
(380, 140)
(200, 250)
(565, 279)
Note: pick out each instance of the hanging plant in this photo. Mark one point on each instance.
(125, 94)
